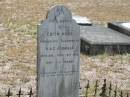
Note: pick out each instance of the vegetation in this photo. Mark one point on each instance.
(19, 18)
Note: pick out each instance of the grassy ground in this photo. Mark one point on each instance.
(19, 19)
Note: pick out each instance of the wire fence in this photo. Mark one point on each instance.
(19, 94)
(95, 89)
(104, 90)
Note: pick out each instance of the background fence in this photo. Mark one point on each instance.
(91, 90)
(103, 90)
(19, 94)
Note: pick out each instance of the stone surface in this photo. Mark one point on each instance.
(97, 39)
(122, 27)
(127, 25)
(58, 54)
(102, 35)
(82, 20)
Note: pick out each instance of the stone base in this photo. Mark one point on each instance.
(101, 49)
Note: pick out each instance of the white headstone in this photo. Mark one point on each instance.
(58, 54)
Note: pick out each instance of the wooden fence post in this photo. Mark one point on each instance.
(87, 87)
(121, 94)
(96, 87)
(127, 94)
(9, 93)
(30, 93)
(19, 93)
(103, 92)
(115, 91)
(110, 89)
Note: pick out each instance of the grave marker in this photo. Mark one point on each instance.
(97, 39)
(122, 27)
(58, 54)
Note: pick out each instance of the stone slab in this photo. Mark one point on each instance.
(82, 20)
(102, 36)
(122, 27)
(97, 39)
(58, 54)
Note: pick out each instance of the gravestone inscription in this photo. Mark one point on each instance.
(58, 54)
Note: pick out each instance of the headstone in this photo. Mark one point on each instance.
(122, 27)
(58, 54)
(97, 39)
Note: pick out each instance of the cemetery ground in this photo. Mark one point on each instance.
(18, 44)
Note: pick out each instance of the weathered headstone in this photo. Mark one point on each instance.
(58, 54)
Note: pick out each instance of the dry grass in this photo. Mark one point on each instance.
(18, 42)
(32, 11)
